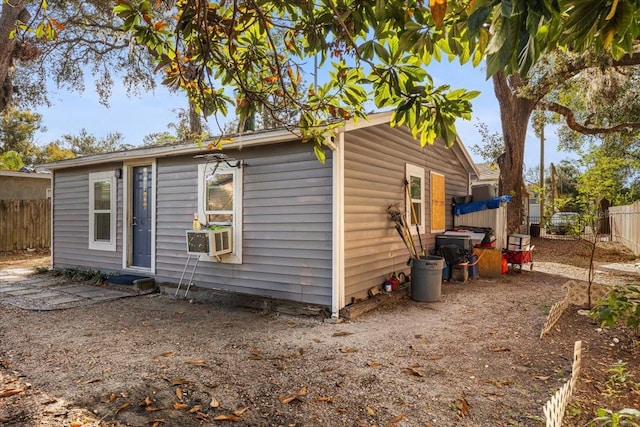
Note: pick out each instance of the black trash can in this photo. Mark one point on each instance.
(426, 278)
(534, 230)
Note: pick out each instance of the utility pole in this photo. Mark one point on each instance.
(541, 193)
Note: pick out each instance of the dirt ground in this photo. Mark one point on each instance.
(473, 359)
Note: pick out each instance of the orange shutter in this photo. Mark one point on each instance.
(438, 202)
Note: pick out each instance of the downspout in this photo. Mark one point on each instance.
(336, 144)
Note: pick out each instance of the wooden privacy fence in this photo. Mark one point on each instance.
(625, 225)
(25, 224)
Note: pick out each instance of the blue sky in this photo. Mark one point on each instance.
(136, 117)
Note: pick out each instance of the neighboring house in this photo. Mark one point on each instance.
(485, 216)
(25, 211)
(488, 173)
(302, 231)
(17, 185)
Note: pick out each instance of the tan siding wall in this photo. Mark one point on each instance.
(375, 159)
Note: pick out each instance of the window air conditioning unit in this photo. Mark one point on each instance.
(209, 242)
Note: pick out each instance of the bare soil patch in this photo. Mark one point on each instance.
(24, 259)
(472, 359)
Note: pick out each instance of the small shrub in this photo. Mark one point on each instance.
(618, 379)
(624, 417)
(78, 275)
(622, 303)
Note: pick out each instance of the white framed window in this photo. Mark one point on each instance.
(102, 211)
(438, 203)
(220, 203)
(414, 194)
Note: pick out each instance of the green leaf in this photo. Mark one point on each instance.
(382, 53)
(320, 154)
(479, 17)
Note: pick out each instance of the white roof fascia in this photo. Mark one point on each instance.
(467, 156)
(237, 142)
(374, 119)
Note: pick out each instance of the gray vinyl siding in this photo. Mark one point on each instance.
(71, 222)
(375, 160)
(287, 225)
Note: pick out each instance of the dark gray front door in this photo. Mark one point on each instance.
(142, 202)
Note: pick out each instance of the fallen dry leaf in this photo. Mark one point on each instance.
(226, 417)
(541, 377)
(92, 380)
(195, 409)
(239, 412)
(11, 391)
(179, 381)
(75, 424)
(122, 407)
(152, 409)
(413, 371)
(202, 416)
(179, 393)
(287, 399)
(178, 406)
(371, 411)
(463, 406)
(255, 354)
(302, 391)
(397, 418)
(214, 402)
(198, 362)
(5, 364)
(156, 422)
(328, 399)
(499, 349)
(348, 350)
(167, 354)
(341, 334)
(374, 364)
(146, 402)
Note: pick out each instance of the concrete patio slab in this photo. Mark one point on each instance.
(45, 292)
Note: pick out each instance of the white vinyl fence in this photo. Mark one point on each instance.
(625, 225)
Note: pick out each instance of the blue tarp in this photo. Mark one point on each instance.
(465, 208)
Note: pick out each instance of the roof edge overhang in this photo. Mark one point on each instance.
(465, 158)
(31, 175)
(237, 142)
(260, 138)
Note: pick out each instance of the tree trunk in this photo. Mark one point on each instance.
(554, 187)
(514, 115)
(11, 10)
(195, 121)
(602, 219)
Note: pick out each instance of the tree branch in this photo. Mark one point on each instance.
(573, 124)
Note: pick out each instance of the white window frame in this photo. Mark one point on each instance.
(204, 170)
(419, 172)
(100, 245)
